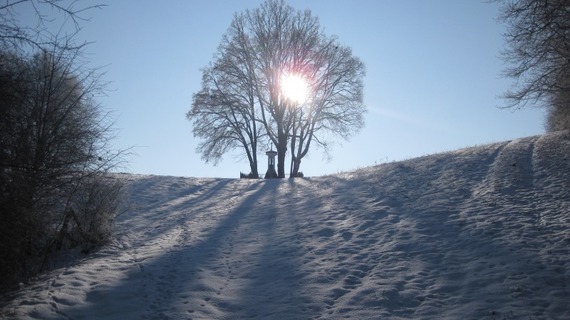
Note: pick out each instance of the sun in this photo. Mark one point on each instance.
(295, 88)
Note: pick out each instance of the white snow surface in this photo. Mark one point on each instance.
(478, 233)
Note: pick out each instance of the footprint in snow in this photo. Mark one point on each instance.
(325, 232)
(347, 235)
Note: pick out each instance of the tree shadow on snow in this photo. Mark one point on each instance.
(240, 268)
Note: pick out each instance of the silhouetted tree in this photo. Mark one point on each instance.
(54, 153)
(55, 150)
(335, 102)
(224, 113)
(264, 45)
(538, 52)
(559, 111)
(14, 34)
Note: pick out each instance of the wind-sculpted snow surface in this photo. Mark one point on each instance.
(479, 233)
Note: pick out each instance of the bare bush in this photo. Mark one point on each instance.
(54, 153)
(88, 218)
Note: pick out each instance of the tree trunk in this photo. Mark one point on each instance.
(281, 152)
(252, 158)
(296, 165)
(253, 168)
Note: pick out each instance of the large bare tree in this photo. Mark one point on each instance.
(538, 51)
(334, 106)
(273, 43)
(224, 114)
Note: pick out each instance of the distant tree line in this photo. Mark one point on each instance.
(538, 56)
(242, 105)
(54, 147)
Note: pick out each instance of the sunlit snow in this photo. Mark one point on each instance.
(479, 233)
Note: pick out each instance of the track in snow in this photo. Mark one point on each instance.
(479, 233)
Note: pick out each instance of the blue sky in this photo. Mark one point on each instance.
(433, 79)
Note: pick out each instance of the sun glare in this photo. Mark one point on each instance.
(294, 88)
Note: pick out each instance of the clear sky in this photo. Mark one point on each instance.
(433, 79)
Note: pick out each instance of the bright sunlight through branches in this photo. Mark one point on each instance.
(295, 88)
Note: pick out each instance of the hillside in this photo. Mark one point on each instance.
(478, 233)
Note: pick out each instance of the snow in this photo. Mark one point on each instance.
(478, 233)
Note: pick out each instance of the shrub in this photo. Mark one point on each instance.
(54, 156)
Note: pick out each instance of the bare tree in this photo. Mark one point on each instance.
(224, 114)
(281, 40)
(225, 111)
(264, 45)
(55, 149)
(538, 50)
(54, 155)
(335, 104)
(14, 34)
(558, 117)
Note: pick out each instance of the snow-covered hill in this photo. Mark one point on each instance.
(479, 233)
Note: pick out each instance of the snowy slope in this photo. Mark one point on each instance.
(479, 233)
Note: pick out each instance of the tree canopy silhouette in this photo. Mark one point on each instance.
(55, 144)
(538, 55)
(267, 60)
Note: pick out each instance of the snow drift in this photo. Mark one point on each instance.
(478, 233)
